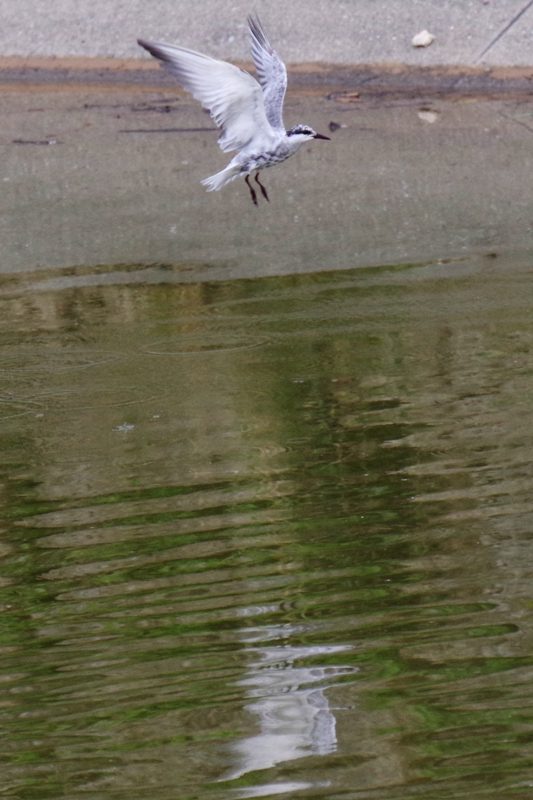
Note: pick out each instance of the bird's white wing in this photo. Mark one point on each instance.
(271, 72)
(232, 96)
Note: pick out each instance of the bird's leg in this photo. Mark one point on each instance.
(263, 190)
(251, 188)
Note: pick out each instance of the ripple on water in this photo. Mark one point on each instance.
(42, 359)
(204, 342)
(309, 573)
(16, 408)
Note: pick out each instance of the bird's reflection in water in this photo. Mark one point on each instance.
(289, 700)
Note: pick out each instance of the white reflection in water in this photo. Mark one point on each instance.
(294, 715)
(273, 788)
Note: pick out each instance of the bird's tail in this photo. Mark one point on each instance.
(216, 182)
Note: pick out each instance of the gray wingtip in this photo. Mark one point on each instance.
(154, 49)
(256, 29)
(150, 46)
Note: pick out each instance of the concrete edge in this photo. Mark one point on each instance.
(367, 80)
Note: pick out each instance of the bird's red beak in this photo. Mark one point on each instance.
(319, 136)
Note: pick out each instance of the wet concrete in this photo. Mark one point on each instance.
(113, 177)
(369, 79)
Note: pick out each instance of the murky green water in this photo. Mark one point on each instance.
(268, 536)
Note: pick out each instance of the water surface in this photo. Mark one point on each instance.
(268, 537)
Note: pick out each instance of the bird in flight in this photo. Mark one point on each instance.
(248, 113)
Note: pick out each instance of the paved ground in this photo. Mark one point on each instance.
(468, 32)
(111, 177)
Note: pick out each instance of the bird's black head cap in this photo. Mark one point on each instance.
(304, 129)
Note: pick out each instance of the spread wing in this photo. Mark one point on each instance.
(232, 96)
(271, 72)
